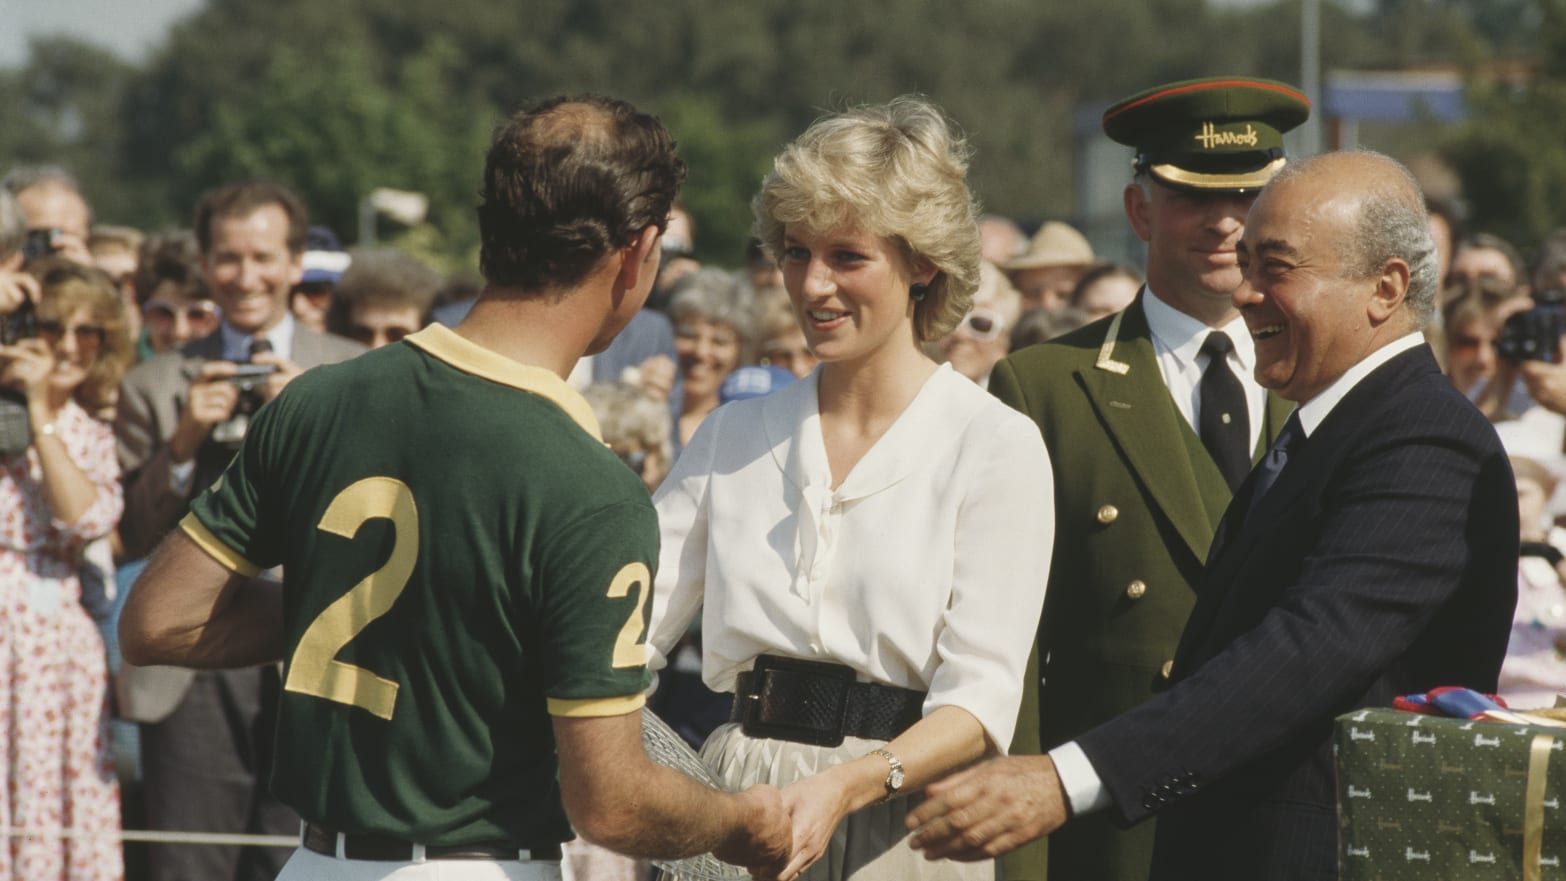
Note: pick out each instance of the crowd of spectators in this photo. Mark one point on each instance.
(124, 373)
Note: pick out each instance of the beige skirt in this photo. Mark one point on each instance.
(870, 844)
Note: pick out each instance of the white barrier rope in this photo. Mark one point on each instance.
(289, 841)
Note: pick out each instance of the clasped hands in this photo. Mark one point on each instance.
(976, 814)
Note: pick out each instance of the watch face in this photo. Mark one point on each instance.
(895, 779)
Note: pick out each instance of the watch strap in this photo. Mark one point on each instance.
(894, 774)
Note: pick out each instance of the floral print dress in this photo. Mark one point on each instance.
(58, 772)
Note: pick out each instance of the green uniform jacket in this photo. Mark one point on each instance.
(1137, 498)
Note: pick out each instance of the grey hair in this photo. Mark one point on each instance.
(25, 177)
(717, 296)
(626, 414)
(1143, 180)
(1391, 224)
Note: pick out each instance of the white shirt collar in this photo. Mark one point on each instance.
(236, 345)
(1183, 335)
(1314, 411)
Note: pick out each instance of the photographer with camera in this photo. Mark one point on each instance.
(62, 353)
(1504, 350)
(16, 286)
(181, 417)
(58, 216)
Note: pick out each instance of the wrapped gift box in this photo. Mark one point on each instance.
(1423, 797)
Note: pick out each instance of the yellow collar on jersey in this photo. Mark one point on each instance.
(470, 357)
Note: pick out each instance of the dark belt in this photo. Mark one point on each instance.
(819, 703)
(377, 847)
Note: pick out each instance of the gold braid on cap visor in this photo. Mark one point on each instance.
(1228, 181)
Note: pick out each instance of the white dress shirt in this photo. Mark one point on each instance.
(924, 569)
(1084, 789)
(1177, 343)
(236, 345)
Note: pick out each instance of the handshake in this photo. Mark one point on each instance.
(976, 814)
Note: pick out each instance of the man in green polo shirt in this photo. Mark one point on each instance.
(468, 566)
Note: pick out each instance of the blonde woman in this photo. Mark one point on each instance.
(59, 490)
(869, 545)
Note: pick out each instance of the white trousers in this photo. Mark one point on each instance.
(307, 865)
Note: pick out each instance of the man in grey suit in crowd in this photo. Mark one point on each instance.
(206, 749)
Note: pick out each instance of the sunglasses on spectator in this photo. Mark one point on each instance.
(367, 335)
(52, 331)
(317, 292)
(982, 324)
(199, 312)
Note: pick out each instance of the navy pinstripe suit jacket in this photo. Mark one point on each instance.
(1383, 561)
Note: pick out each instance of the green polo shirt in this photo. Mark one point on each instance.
(463, 558)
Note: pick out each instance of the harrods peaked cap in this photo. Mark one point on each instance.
(1220, 133)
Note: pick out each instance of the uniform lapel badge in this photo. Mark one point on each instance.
(1106, 353)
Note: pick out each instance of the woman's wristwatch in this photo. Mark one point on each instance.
(894, 777)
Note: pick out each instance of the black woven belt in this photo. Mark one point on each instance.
(819, 703)
(380, 848)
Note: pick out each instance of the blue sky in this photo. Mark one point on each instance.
(128, 28)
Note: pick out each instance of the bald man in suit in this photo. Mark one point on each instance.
(1372, 553)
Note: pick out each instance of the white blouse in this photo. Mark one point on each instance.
(925, 569)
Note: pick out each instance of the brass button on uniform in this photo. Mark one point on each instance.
(1165, 670)
(1136, 589)
(1107, 514)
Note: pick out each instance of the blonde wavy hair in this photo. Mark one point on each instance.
(65, 287)
(897, 170)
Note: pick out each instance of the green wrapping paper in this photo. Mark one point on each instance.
(1423, 797)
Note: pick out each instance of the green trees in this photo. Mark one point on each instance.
(1511, 153)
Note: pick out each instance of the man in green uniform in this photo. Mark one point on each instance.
(468, 567)
(1152, 417)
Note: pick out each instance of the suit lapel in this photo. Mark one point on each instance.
(1278, 411)
(1239, 535)
(1127, 389)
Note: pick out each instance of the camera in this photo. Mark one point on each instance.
(248, 379)
(40, 243)
(16, 432)
(20, 324)
(1535, 334)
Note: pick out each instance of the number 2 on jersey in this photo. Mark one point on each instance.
(314, 668)
(629, 650)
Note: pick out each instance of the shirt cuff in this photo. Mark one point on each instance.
(1084, 790)
(180, 475)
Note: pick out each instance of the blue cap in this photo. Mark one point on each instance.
(753, 382)
(324, 259)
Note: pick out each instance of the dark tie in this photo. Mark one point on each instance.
(1225, 426)
(1272, 464)
(259, 345)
